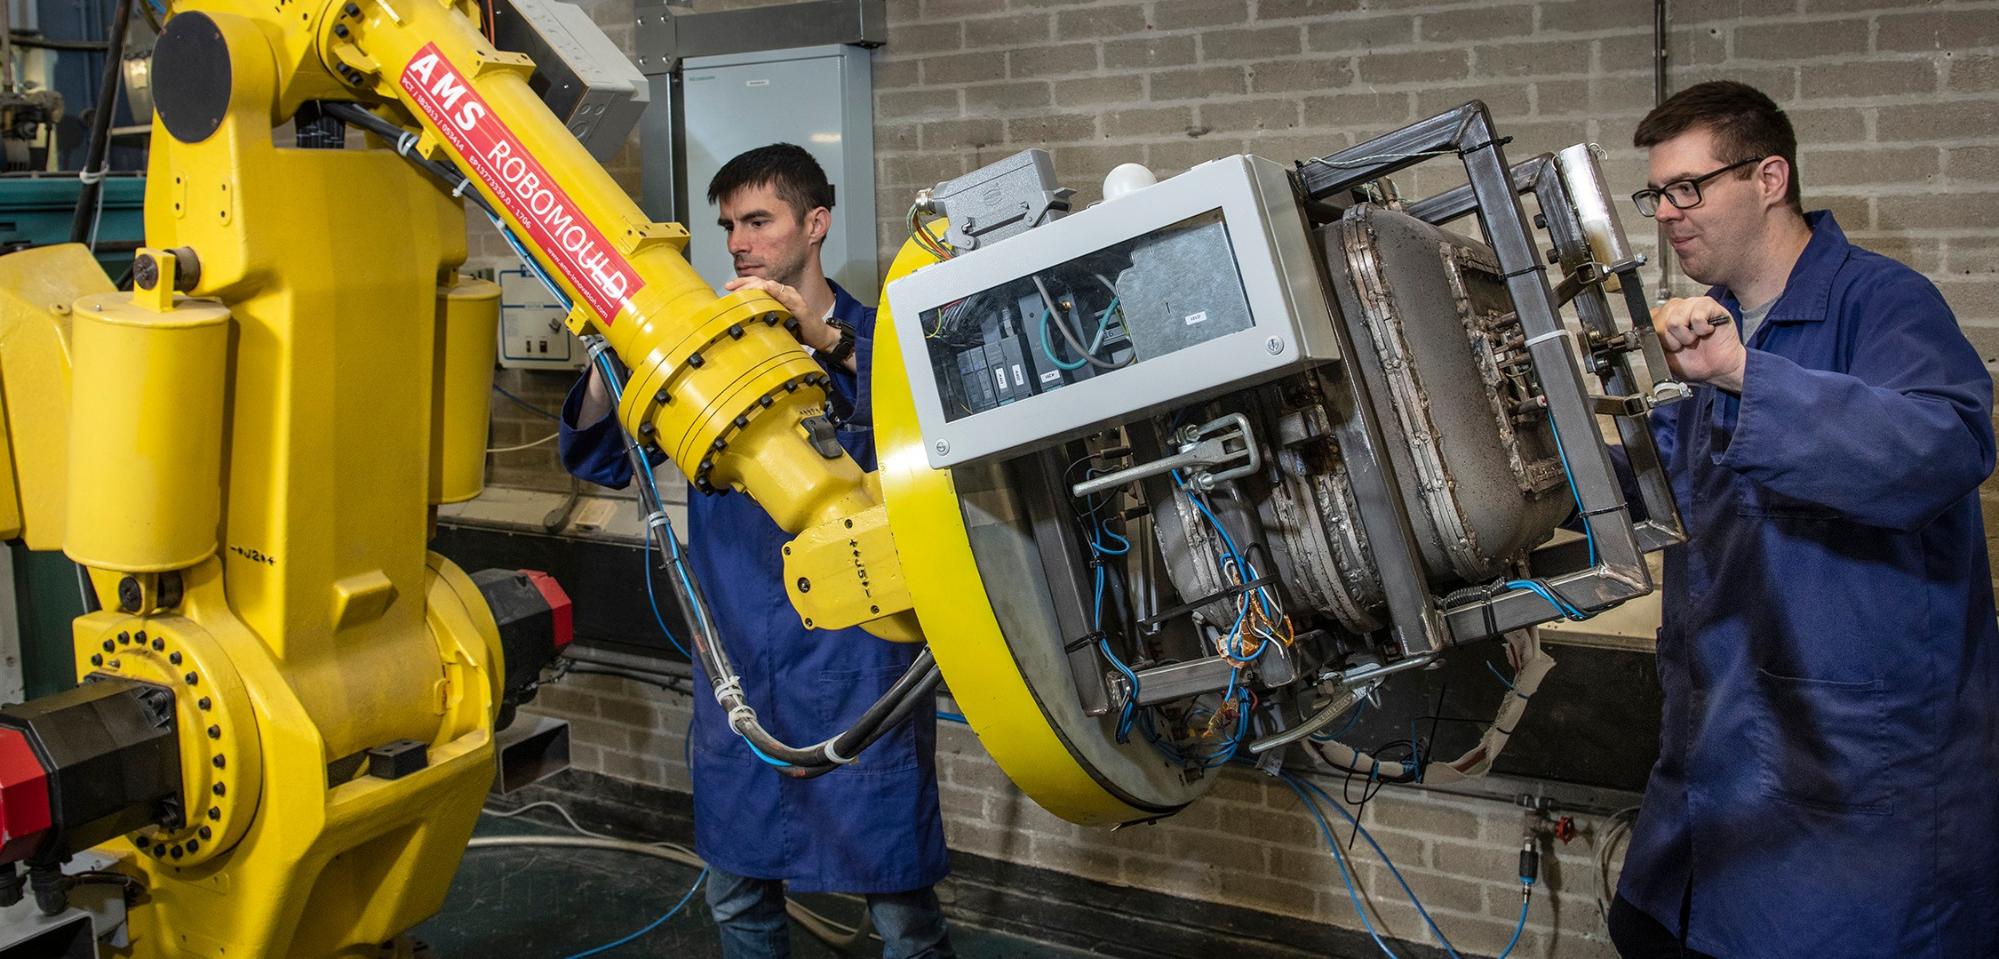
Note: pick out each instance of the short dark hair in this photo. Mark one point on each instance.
(1745, 124)
(786, 167)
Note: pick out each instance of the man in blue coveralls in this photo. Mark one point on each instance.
(870, 828)
(1828, 778)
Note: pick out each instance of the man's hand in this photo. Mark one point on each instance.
(1700, 341)
(812, 328)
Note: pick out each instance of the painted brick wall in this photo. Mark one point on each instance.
(1898, 107)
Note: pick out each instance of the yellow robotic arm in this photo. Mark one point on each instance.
(718, 384)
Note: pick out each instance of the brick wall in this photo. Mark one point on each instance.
(1897, 104)
(1898, 108)
(1249, 844)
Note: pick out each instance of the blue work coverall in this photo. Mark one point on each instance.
(871, 827)
(1828, 778)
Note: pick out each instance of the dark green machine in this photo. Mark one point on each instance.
(36, 209)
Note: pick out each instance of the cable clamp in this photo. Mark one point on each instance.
(836, 758)
(1495, 142)
(404, 142)
(1087, 639)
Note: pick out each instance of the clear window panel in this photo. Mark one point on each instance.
(1116, 307)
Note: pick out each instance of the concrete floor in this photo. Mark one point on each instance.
(539, 903)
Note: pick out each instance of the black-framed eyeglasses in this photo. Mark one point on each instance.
(1682, 194)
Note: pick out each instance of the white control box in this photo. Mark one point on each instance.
(532, 334)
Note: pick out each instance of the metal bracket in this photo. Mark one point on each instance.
(1633, 405)
(1225, 439)
(1586, 274)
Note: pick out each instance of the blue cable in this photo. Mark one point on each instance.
(654, 600)
(1299, 786)
(1244, 566)
(1131, 701)
(779, 763)
(671, 544)
(1496, 674)
(1518, 928)
(1047, 348)
(1567, 611)
(533, 265)
(1390, 863)
(952, 718)
(1573, 492)
(655, 924)
(1339, 858)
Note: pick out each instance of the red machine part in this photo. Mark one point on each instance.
(24, 798)
(558, 606)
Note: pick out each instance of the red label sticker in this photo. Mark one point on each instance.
(553, 221)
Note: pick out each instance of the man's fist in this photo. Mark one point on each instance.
(1700, 341)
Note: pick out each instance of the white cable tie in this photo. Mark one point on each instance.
(837, 759)
(459, 190)
(596, 347)
(1551, 334)
(657, 521)
(404, 142)
(92, 176)
(727, 689)
(742, 715)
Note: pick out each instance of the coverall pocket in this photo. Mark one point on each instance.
(1825, 743)
(1760, 503)
(844, 694)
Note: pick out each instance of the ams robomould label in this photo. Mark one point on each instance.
(552, 220)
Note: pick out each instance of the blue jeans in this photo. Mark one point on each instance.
(750, 916)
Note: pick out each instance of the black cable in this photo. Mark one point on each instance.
(524, 404)
(85, 592)
(670, 684)
(460, 184)
(100, 125)
(925, 692)
(44, 43)
(922, 668)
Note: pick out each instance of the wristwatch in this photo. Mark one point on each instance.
(844, 348)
